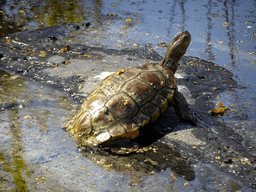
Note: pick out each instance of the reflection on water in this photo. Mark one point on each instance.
(16, 165)
(22, 108)
(12, 161)
(16, 16)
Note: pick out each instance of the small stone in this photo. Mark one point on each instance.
(129, 19)
(227, 160)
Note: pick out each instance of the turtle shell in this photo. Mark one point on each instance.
(124, 101)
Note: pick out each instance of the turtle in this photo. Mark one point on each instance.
(132, 98)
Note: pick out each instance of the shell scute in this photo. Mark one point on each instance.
(128, 124)
(117, 130)
(144, 67)
(139, 91)
(153, 78)
(102, 119)
(149, 109)
(165, 92)
(168, 74)
(108, 88)
(102, 137)
(148, 67)
(95, 102)
(170, 82)
(164, 106)
(128, 74)
(141, 119)
(83, 124)
(158, 100)
(121, 106)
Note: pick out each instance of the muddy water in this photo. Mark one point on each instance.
(28, 118)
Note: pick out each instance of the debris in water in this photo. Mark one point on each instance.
(220, 110)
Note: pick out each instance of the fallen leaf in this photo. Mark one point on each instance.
(26, 117)
(220, 110)
(64, 49)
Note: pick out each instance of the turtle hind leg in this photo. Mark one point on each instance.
(182, 109)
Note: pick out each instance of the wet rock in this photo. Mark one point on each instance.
(211, 142)
(56, 59)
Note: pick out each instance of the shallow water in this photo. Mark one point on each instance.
(37, 154)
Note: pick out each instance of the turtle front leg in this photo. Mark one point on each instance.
(182, 109)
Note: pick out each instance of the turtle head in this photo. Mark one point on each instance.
(175, 50)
